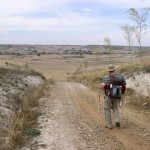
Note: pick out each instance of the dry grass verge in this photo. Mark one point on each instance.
(23, 120)
(136, 100)
(5, 71)
(91, 79)
(131, 69)
(94, 78)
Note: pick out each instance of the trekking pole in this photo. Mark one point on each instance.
(121, 102)
(98, 108)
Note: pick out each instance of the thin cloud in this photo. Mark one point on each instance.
(77, 19)
(125, 3)
(13, 7)
(80, 23)
(87, 10)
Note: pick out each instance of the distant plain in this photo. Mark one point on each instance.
(59, 67)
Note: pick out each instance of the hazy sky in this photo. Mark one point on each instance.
(66, 21)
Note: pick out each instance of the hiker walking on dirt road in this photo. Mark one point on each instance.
(114, 86)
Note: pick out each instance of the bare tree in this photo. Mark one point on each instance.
(107, 42)
(85, 64)
(139, 17)
(97, 54)
(128, 34)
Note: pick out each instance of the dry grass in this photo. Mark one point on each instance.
(51, 66)
(23, 119)
(130, 69)
(25, 115)
(8, 71)
(94, 78)
(91, 79)
(136, 100)
(58, 67)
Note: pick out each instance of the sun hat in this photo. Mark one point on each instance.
(111, 67)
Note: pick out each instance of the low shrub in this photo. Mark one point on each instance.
(91, 79)
(23, 121)
(139, 102)
(32, 132)
(130, 69)
(130, 92)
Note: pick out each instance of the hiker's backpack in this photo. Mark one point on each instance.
(116, 82)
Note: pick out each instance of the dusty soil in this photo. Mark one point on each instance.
(68, 122)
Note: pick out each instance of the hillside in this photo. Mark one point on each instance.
(18, 100)
(9, 49)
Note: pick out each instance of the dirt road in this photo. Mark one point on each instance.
(68, 122)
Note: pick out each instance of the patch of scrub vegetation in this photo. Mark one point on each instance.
(32, 132)
(137, 101)
(22, 119)
(133, 98)
(91, 79)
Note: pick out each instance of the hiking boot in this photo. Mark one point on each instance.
(117, 124)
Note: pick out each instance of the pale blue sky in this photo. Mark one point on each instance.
(66, 21)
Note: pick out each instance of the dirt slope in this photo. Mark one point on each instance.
(68, 122)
